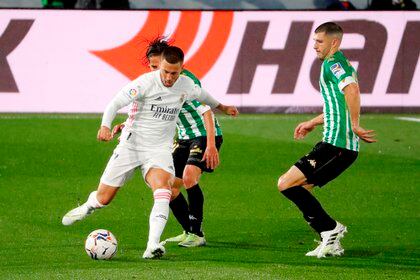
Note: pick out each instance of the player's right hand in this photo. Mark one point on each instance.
(303, 129)
(104, 134)
(117, 129)
(211, 157)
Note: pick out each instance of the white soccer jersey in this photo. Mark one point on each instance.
(154, 110)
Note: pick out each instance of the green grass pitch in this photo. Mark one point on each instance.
(49, 163)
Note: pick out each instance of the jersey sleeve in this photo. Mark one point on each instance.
(200, 108)
(203, 96)
(190, 75)
(342, 73)
(129, 93)
(194, 91)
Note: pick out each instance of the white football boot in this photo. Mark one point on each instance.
(329, 240)
(77, 214)
(154, 252)
(336, 251)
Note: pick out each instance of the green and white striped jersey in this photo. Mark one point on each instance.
(190, 122)
(336, 74)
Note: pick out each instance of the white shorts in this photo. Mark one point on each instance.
(124, 162)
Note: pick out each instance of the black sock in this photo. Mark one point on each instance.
(196, 203)
(312, 210)
(179, 208)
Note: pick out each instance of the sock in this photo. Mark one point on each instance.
(312, 210)
(92, 202)
(158, 215)
(196, 204)
(179, 207)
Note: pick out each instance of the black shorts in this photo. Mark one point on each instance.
(191, 152)
(325, 162)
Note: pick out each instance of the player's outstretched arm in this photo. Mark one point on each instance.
(204, 97)
(228, 110)
(211, 155)
(352, 96)
(304, 128)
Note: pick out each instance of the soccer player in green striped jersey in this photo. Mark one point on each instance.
(195, 151)
(339, 146)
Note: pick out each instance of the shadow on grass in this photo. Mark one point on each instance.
(351, 253)
(391, 259)
(236, 245)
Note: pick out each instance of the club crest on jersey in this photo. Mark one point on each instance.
(337, 69)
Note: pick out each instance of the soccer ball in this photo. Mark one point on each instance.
(101, 244)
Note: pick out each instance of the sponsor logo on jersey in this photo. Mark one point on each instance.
(164, 113)
(158, 99)
(166, 109)
(337, 69)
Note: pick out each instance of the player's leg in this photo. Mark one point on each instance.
(96, 200)
(294, 185)
(178, 204)
(191, 177)
(158, 172)
(338, 161)
(120, 167)
(291, 185)
(179, 207)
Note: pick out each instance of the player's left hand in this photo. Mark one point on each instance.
(211, 156)
(366, 135)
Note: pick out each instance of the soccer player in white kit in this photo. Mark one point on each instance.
(146, 141)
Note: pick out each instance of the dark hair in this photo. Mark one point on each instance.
(157, 46)
(330, 28)
(173, 55)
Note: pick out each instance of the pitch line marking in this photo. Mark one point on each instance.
(409, 119)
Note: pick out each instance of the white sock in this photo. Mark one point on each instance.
(92, 202)
(158, 216)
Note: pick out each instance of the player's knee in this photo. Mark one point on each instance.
(189, 180)
(283, 184)
(175, 193)
(161, 183)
